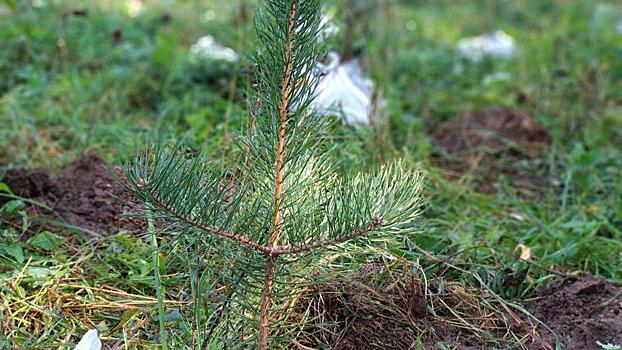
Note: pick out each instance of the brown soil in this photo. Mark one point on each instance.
(581, 311)
(393, 309)
(489, 143)
(85, 194)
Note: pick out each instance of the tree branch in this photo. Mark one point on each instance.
(371, 226)
(267, 250)
(209, 229)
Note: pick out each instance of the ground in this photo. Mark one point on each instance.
(520, 243)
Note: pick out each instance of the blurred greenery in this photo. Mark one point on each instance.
(113, 75)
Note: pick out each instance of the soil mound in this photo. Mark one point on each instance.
(581, 311)
(390, 308)
(27, 183)
(85, 194)
(489, 143)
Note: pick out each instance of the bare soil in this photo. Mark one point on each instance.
(491, 143)
(390, 309)
(581, 311)
(87, 194)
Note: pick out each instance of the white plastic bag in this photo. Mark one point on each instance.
(498, 44)
(90, 341)
(134, 7)
(343, 89)
(606, 18)
(496, 77)
(206, 48)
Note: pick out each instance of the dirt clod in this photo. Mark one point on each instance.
(489, 143)
(29, 183)
(581, 311)
(85, 194)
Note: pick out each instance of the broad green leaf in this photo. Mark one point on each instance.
(14, 250)
(5, 188)
(12, 207)
(39, 271)
(46, 240)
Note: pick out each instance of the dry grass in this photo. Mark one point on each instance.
(390, 304)
(49, 306)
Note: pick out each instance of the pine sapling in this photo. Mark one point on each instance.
(286, 202)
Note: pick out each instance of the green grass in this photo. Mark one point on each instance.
(66, 86)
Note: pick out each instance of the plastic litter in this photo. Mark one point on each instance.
(606, 18)
(344, 90)
(90, 341)
(498, 44)
(206, 48)
(496, 77)
(134, 7)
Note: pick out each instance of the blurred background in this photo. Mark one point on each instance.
(97, 74)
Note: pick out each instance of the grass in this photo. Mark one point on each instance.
(67, 86)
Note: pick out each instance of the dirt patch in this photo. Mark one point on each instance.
(489, 143)
(85, 194)
(581, 311)
(392, 308)
(28, 183)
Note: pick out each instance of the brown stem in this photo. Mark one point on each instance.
(277, 222)
(266, 303)
(379, 135)
(211, 229)
(286, 90)
(231, 96)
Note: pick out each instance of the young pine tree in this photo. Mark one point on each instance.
(285, 203)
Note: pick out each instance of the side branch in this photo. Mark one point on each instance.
(370, 227)
(267, 250)
(209, 229)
